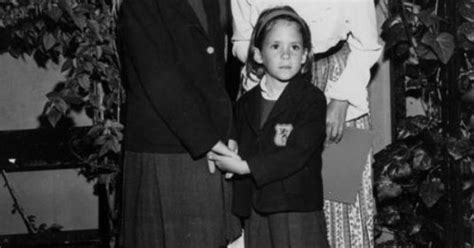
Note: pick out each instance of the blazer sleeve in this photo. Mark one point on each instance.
(148, 43)
(305, 139)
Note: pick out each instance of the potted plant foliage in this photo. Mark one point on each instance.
(79, 35)
(424, 179)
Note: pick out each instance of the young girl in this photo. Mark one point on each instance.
(345, 48)
(280, 131)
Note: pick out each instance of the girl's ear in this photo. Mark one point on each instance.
(305, 56)
(257, 55)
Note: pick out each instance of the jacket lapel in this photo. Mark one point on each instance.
(252, 109)
(187, 12)
(285, 101)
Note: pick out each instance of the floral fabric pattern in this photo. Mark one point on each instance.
(348, 225)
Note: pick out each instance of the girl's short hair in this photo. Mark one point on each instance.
(265, 22)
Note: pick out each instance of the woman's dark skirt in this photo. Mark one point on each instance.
(170, 200)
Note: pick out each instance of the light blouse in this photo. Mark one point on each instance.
(330, 21)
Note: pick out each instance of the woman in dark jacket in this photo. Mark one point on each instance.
(177, 110)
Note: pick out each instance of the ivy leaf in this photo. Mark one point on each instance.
(73, 99)
(85, 8)
(465, 36)
(14, 53)
(399, 170)
(104, 149)
(95, 28)
(429, 18)
(95, 130)
(42, 227)
(55, 13)
(39, 25)
(115, 145)
(84, 81)
(48, 41)
(119, 135)
(431, 192)
(114, 125)
(421, 160)
(101, 140)
(88, 66)
(80, 21)
(467, 185)
(66, 6)
(111, 144)
(54, 115)
(108, 50)
(393, 32)
(390, 215)
(56, 99)
(98, 51)
(94, 100)
(442, 44)
(55, 227)
(425, 52)
(467, 29)
(61, 104)
(59, 49)
(466, 9)
(458, 148)
(387, 189)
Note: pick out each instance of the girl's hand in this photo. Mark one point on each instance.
(230, 164)
(233, 146)
(335, 118)
(220, 148)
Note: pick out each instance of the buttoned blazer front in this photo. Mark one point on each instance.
(174, 77)
(283, 177)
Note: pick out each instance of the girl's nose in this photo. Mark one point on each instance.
(285, 53)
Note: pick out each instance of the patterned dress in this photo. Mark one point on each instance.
(349, 225)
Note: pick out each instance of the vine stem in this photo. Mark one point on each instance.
(407, 31)
(16, 205)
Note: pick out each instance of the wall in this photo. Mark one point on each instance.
(379, 94)
(53, 196)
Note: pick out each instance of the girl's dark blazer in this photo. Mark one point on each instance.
(283, 178)
(174, 76)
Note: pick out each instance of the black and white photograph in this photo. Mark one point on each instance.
(237, 123)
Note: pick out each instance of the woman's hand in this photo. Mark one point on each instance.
(335, 118)
(230, 164)
(233, 146)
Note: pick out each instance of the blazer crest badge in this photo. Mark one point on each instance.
(282, 132)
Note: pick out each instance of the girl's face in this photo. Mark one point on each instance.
(282, 53)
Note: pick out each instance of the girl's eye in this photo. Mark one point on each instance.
(296, 47)
(274, 46)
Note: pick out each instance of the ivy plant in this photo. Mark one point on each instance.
(81, 36)
(424, 179)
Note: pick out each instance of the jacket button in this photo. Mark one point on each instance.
(210, 50)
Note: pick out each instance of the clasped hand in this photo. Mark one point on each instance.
(227, 159)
